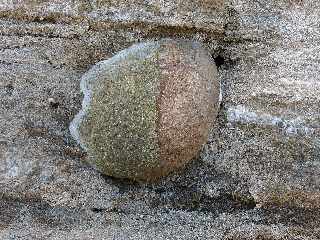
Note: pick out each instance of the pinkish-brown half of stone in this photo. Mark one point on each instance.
(187, 104)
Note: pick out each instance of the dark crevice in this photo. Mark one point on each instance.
(53, 103)
(39, 35)
(190, 199)
(98, 210)
(124, 185)
(105, 210)
(48, 19)
(9, 89)
(219, 60)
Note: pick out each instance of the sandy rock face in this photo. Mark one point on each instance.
(263, 151)
(148, 110)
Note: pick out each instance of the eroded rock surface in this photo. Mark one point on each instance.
(264, 150)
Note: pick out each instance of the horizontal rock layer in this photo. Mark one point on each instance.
(264, 151)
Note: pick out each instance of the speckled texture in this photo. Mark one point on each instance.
(148, 110)
(119, 127)
(258, 176)
(188, 102)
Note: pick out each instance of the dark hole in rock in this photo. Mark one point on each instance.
(219, 60)
(97, 210)
(48, 19)
(124, 184)
(53, 103)
(9, 89)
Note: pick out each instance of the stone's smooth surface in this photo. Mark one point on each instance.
(265, 144)
(188, 101)
(148, 110)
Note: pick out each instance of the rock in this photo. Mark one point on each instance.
(270, 139)
(265, 143)
(148, 110)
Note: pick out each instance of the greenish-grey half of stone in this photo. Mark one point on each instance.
(117, 123)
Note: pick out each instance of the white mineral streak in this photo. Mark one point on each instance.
(13, 169)
(241, 114)
(220, 94)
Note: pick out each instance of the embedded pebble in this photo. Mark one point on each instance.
(148, 110)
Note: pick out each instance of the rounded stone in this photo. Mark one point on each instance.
(148, 110)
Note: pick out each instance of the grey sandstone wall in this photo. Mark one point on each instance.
(258, 177)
